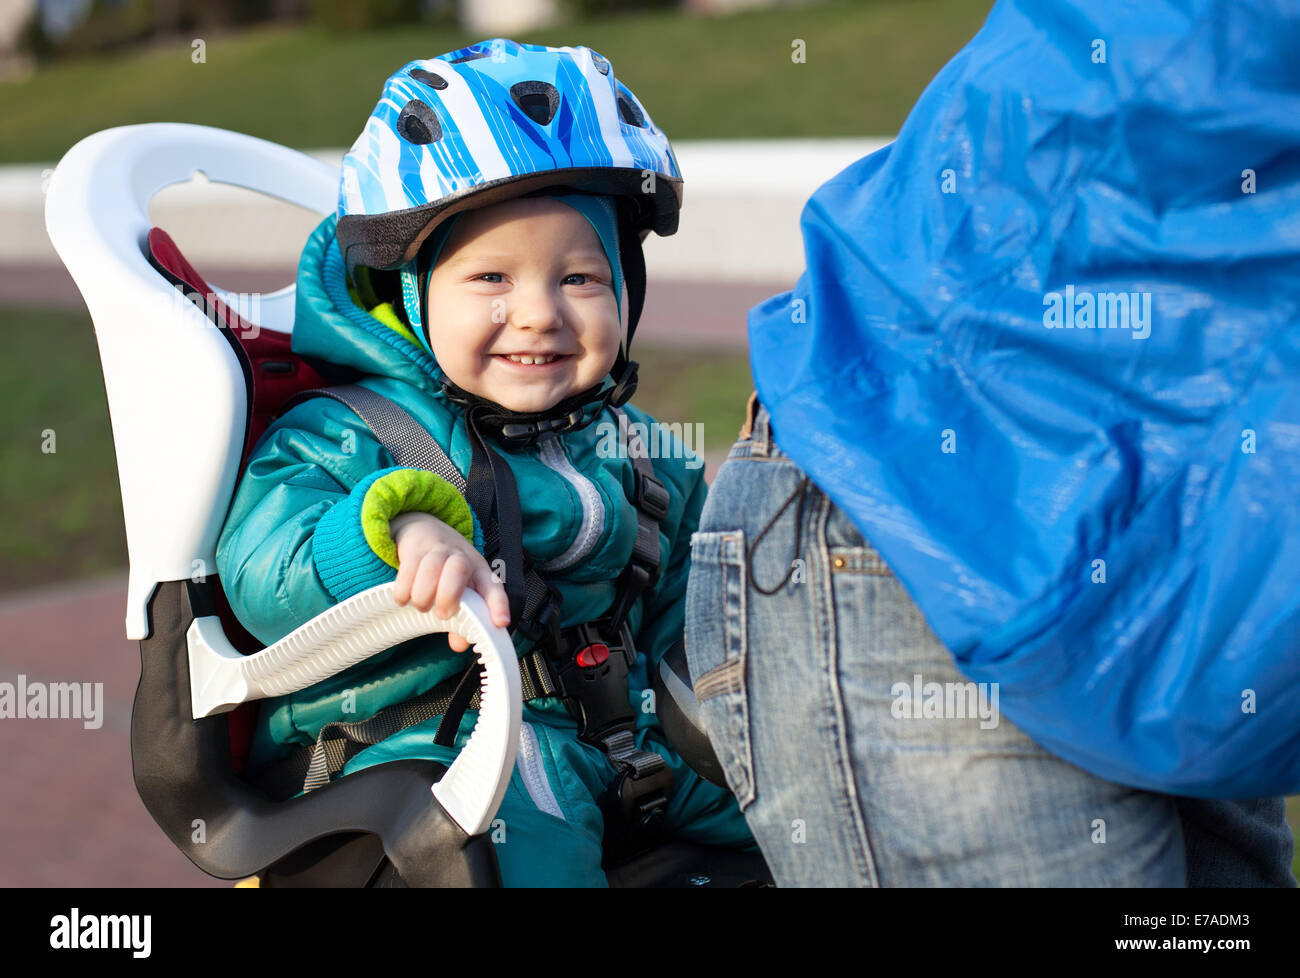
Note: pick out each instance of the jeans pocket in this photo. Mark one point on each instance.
(715, 652)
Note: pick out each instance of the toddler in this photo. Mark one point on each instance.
(490, 224)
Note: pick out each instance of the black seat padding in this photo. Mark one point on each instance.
(679, 712)
(229, 829)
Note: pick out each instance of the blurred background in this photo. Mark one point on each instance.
(764, 100)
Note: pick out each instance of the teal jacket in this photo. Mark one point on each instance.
(295, 543)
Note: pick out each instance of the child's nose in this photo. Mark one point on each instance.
(534, 308)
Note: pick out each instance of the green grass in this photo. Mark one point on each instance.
(729, 77)
(690, 386)
(66, 505)
(64, 508)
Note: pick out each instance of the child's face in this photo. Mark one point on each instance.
(526, 276)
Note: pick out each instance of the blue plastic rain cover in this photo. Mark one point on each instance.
(1046, 355)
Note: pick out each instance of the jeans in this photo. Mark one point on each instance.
(812, 666)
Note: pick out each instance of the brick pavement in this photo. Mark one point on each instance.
(70, 815)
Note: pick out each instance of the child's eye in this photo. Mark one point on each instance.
(486, 275)
(582, 275)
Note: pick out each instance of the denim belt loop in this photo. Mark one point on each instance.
(763, 431)
(747, 429)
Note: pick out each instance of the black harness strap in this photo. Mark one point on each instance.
(465, 694)
(651, 500)
(491, 481)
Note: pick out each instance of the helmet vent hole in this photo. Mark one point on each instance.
(429, 78)
(630, 113)
(602, 65)
(418, 123)
(538, 100)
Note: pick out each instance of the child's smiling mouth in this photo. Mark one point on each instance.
(533, 361)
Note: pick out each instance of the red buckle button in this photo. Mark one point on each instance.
(592, 655)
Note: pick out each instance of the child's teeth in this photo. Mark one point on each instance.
(531, 360)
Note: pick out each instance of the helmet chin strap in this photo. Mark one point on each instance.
(570, 414)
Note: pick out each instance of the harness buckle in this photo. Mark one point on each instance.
(546, 619)
(635, 804)
(590, 667)
(535, 429)
(651, 496)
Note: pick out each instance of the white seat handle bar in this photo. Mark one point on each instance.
(351, 631)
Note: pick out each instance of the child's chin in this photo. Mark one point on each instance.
(528, 405)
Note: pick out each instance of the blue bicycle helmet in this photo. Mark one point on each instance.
(492, 121)
(498, 120)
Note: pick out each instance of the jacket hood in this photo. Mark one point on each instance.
(329, 324)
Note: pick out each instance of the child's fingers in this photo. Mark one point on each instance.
(405, 580)
(458, 643)
(494, 593)
(402, 586)
(456, 573)
(427, 574)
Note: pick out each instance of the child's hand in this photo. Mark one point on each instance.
(434, 565)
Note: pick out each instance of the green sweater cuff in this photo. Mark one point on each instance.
(413, 491)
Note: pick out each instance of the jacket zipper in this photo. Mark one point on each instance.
(533, 773)
(593, 510)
